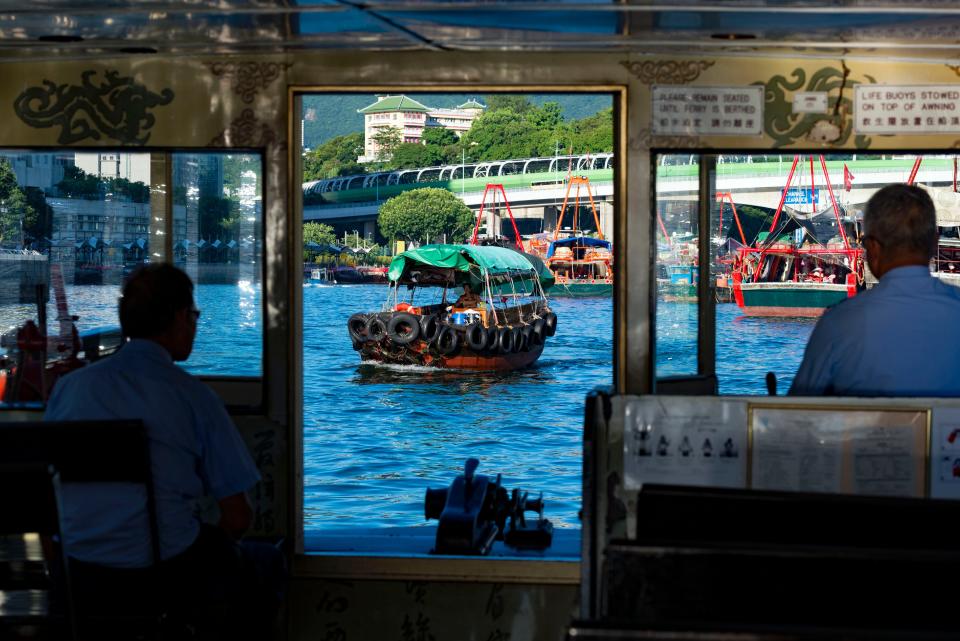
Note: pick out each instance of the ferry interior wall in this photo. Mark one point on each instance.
(504, 298)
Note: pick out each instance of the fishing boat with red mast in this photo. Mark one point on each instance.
(791, 270)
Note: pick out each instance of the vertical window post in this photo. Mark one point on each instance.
(706, 286)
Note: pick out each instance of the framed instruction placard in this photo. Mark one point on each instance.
(682, 440)
(945, 453)
(849, 450)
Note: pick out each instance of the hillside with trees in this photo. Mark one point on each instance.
(513, 126)
(332, 115)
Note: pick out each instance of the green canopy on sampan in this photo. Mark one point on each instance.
(469, 263)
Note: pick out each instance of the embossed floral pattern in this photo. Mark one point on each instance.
(248, 77)
(670, 72)
(246, 131)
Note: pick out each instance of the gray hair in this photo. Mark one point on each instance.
(903, 219)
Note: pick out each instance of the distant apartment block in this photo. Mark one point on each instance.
(41, 170)
(132, 167)
(411, 118)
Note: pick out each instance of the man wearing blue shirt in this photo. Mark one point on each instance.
(195, 452)
(900, 337)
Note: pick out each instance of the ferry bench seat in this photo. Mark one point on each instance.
(114, 451)
(791, 565)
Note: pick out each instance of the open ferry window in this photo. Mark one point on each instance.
(785, 243)
(75, 223)
(457, 303)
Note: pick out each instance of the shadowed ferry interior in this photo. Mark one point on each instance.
(504, 300)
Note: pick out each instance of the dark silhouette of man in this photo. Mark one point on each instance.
(228, 589)
(898, 338)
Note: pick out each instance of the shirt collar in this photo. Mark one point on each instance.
(909, 271)
(147, 349)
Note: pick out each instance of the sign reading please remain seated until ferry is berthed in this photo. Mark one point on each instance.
(906, 109)
(679, 110)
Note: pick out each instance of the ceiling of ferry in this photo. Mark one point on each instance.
(41, 29)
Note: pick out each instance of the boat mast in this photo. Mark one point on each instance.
(833, 199)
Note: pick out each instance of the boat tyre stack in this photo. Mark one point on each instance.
(448, 341)
(403, 328)
(550, 321)
(357, 326)
(519, 345)
(476, 337)
(504, 340)
(376, 328)
(430, 327)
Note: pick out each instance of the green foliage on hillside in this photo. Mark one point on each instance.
(425, 215)
(513, 126)
(331, 115)
(336, 157)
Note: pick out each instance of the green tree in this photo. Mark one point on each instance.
(137, 192)
(38, 217)
(548, 116)
(234, 168)
(319, 233)
(593, 133)
(77, 183)
(425, 214)
(386, 140)
(439, 137)
(410, 154)
(515, 103)
(15, 212)
(503, 134)
(336, 157)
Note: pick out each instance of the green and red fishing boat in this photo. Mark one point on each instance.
(790, 270)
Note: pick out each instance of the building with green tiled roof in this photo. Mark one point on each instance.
(410, 118)
(394, 103)
(471, 104)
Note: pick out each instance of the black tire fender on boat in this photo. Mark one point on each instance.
(551, 323)
(357, 326)
(529, 340)
(504, 340)
(448, 341)
(429, 327)
(539, 331)
(376, 328)
(492, 335)
(476, 336)
(518, 343)
(403, 328)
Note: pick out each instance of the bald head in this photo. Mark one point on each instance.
(900, 228)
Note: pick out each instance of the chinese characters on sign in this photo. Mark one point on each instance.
(921, 109)
(703, 111)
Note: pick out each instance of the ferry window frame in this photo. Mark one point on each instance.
(706, 302)
(706, 314)
(401, 563)
(242, 395)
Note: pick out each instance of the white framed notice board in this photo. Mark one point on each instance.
(839, 449)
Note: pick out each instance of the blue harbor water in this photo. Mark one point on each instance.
(375, 437)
